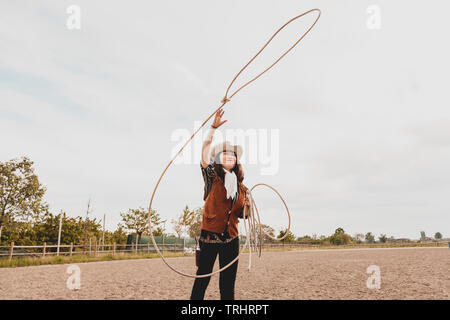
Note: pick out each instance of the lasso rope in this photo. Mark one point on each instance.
(254, 233)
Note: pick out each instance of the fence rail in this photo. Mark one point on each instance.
(92, 249)
(97, 249)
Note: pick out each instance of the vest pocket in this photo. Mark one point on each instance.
(210, 216)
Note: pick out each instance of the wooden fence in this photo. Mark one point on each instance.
(98, 249)
(93, 249)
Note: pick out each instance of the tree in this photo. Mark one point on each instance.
(137, 220)
(177, 227)
(340, 237)
(306, 239)
(71, 232)
(266, 229)
(194, 227)
(422, 235)
(45, 229)
(359, 237)
(21, 192)
(119, 236)
(289, 238)
(21, 233)
(183, 222)
(382, 238)
(370, 238)
(438, 236)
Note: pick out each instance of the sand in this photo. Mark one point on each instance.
(405, 273)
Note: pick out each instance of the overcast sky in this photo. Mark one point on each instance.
(356, 117)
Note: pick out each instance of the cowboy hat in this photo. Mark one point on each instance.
(226, 146)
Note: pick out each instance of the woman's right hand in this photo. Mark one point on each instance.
(217, 123)
(206, 152)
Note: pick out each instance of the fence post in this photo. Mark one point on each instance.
(90, 246)
(175, 246)
(103, 234)
(95, 246)
(184, 244)
(43, 250)
(148, 247)
(11, 250)
(59, 234)
(163, 244)
(114, 249)
(71, 248)
(137, 243)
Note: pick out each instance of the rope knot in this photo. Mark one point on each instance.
(225, 100)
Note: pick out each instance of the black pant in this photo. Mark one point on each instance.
(227, 252)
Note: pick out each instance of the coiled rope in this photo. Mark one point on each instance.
(252, 224)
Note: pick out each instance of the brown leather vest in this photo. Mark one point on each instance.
(218, 207)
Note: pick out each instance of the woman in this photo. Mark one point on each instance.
(225, 199)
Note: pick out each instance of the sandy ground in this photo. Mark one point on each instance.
(406, 273)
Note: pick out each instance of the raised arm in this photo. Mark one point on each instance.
(206, 149)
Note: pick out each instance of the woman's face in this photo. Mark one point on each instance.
(228, 160)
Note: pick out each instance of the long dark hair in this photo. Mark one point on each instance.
(218, 168)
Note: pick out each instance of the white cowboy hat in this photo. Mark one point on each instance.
(227, 146)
